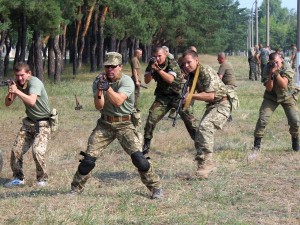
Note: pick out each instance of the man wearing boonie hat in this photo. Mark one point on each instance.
(114, 98)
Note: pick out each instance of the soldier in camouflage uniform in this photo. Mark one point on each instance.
(278, 80)
(257, 63)
(263, 57)
(169, 78)
(293, 56)
(35, 130)
(114, 98)
(252, 64)
(210, 89)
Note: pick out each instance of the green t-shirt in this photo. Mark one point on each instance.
(41, 109)
(227, 71)
(126, 86)
(209, 81)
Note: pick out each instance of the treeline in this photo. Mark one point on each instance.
(51, 30)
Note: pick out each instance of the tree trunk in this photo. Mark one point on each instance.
(87, 49)
(100, 49)
(75, 44)
(62, 45)
(124, 51)
(112, 44)
(8, 49)
(38, 57)
(58, 60)
(51, 59)
(94, 41)
(2, 53)
(23, 38)
(86, 23)
(30, 60)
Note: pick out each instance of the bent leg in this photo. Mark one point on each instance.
(21, 145)
(39, 148)
(265, 112)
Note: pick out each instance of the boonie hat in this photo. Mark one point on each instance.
(112, 58)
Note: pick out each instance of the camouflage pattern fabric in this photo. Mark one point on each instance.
(216, 113)
(160, 108)
(214, 118)
(294, 52)
(1, 161)
(163, 88)
(253, 70)
(27, 137)
(102, 136)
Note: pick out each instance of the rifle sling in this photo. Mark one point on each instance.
(189, 99)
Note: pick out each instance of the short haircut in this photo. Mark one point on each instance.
(21, 65)
(191, 53)
(272, 56)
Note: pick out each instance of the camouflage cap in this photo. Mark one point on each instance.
(112, 58)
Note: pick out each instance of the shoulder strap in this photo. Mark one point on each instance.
(188, 101)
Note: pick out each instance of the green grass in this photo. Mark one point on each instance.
(265, 191)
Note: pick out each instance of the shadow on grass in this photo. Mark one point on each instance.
(17, 193)
(109, 176)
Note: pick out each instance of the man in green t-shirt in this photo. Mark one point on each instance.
(136, 74)
(35, 130)
(114, 98)
(280, 90)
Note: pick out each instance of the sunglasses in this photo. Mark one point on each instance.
(111, 66)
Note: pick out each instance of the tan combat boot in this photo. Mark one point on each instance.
(205, 165)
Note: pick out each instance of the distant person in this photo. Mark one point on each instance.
(257, 63)
(280, 90)
(226, 74)
(35, 130)
(210, 89)
(263, 57)
(169, 55)
(293, 56)
(252, 64)
(114, 97)
(136, 74)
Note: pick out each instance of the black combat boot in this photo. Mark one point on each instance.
(255, 149)
(257, 141)
(295, 144)
(146, 147)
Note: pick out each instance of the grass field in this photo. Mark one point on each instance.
(265, 191)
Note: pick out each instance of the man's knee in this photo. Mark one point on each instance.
(140, 161)
(87, 164)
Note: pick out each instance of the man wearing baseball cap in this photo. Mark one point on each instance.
(114, 98)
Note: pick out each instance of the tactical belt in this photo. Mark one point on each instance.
(114, 119)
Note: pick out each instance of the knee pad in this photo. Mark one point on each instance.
(140, 162)
(86, 164)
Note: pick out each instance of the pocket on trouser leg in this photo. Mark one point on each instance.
(221, 117)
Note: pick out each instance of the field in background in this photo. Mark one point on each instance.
(262, 192)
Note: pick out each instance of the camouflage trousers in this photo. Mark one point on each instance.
(102, 136)
(160, 107)
(269, 106)
(253, 73)
(35, 135)
(137, 92)
(213, 119)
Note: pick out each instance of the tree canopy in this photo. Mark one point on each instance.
(85, 29)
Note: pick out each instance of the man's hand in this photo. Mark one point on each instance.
(155, 67)
(12, 88)
(103, 85)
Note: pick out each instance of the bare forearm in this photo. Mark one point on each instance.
(204, 96)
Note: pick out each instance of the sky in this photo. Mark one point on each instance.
(290, 4)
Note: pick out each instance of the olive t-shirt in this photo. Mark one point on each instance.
(124, 85)
(41, 109)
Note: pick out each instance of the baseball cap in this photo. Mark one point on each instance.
(112, 58)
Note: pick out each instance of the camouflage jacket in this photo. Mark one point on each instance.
(162, 87)
(209, 81)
